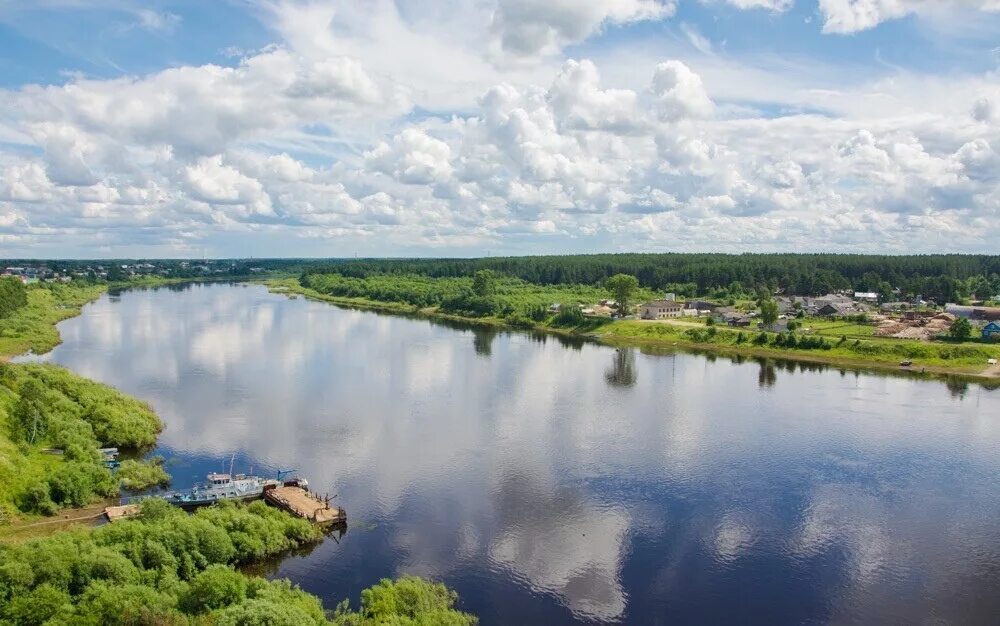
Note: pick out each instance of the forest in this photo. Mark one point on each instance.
(943, 278)
(169, 567)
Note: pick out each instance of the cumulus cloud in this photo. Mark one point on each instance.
(850, 16)
(543, 27)
(315, 142)
(679, 93)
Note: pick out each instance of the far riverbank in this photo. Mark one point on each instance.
(966, 360)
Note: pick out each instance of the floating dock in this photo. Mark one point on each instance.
(124, 511)
(298, 501)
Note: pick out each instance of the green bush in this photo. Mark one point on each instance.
(138, 475)
(168, 567)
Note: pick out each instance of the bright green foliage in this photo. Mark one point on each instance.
(768, 311)
(161, 568)
(408, 601)
(168, 567)
(942, 278)
(622, 287)
(960, 329)
(32, 327)
(458, 295)
(484, 284)
(47, 406)
(13, 296)
(138, 475)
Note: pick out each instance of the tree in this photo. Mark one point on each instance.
(406, 601)
(622, 286)
(768, 311)
(484, 284)
(960, 329)
(116, 273)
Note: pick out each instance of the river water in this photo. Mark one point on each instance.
(559, 482)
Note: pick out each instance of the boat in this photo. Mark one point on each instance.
(220, 487)
(905, 363)
(229, 486)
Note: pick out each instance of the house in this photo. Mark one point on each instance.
(986, 313)
(974, 313)
(660, 309)
(991, 331)
(738, 320)
(866, 296)
(701, 305)
(830, 309)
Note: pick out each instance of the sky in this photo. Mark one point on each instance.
(270, 128)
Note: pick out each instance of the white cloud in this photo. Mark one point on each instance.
(679, 92)
(529, 28)
(778, 6)
(850, 16)
(374, 123)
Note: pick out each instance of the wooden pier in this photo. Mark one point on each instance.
(124, 511)
(302, 503)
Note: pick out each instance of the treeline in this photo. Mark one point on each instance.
(168, 567)
(484, 294)
(938, 277)
(44, 406)
(13, 296)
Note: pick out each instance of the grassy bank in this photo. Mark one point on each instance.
(33, 327)
(860, 350)
(168, 567)
(52, 423)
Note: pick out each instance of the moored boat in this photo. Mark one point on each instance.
(220, 487)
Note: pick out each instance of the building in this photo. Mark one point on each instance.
(833, 308)
(866, 296)
(660, 309)
(991, 331)
(974, 313)
(701, 306)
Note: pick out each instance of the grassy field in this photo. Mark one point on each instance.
(837, 328)
(944, 357)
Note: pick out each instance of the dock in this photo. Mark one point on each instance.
(125, 511)
(300, 502)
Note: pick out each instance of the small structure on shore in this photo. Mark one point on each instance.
(125, 511)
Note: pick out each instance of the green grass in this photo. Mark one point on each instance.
(966, 357)
(33, 327)
(837, 328)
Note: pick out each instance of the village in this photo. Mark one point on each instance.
(850, 314)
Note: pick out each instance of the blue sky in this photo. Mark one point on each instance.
(285, 127)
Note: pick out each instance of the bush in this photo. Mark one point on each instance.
(137, 475)
(569, 315)
(168, 567)
(408, 600)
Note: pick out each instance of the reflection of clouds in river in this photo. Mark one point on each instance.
(547, 462)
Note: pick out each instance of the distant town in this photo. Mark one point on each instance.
(122, 270)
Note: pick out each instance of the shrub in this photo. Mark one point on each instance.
(137, 475)
(569, 315)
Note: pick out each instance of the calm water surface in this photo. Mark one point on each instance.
(556, 483)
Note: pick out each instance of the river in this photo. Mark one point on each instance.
(552, 481)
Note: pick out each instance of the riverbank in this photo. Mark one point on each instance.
(967, 360)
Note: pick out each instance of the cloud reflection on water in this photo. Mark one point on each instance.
(547, 463)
